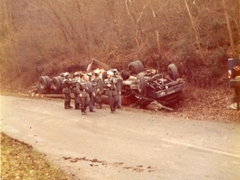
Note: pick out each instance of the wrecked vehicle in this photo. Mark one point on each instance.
(149, 85)
(139, 85)
(144, 86)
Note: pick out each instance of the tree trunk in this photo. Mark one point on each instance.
(228, 24)
(156, 31)
(195, 31)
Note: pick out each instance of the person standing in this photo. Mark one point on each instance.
(75, 80)
(111, 91)
(67, 84)
(118, 82)
(90, 92)
(98, 86)
(83, 94)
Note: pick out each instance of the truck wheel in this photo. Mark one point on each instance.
(125, 74)
(57, 84)
(140, 65)
(135, 67)
(48, 80)
(61, 74)
(173, 71)
(40, 85)
(141, 84)
(44, 85)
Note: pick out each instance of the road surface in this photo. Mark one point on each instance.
(127, 145)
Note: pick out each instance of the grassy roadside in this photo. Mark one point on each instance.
(20, 161)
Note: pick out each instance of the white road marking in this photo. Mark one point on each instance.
(202, 148)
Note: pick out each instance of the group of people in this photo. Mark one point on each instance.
(88, 89)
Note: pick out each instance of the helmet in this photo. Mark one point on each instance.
(96, 74)
(66, 74)
(114, 71)
(110, 73)
(81, 74)
(97, 71)
(76, 74)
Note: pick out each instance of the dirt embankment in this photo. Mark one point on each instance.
(205, 104)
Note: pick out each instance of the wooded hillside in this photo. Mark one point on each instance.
(42, 37)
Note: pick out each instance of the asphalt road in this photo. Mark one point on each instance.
(127, 145)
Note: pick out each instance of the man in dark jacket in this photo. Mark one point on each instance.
(118, 83)
(98, 87)
(83, 94)
(111, 91)
(75, 80)
(67, 85)
(90, 91)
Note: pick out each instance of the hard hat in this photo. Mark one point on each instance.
(81, 74)
(76, 74)
(96, 74)
(66, 74)
(97, 71)
(110, 73)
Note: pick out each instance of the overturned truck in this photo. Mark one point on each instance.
(139, 85)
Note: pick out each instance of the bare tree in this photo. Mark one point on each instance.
(228, 24)
(195, 31)
(136, 21)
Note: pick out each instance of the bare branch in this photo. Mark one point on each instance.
(195, 30)
(140, 16)
(60, 23)
(228, 24)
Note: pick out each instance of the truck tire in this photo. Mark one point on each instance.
(140, 64)
(62, 74)
(48, 84)
(57, 85)
(135, 67)
(43, 86)
(173, 71)
(141, 85)
(125, 74)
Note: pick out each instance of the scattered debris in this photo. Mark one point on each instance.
(232, 106)
(95, 163)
